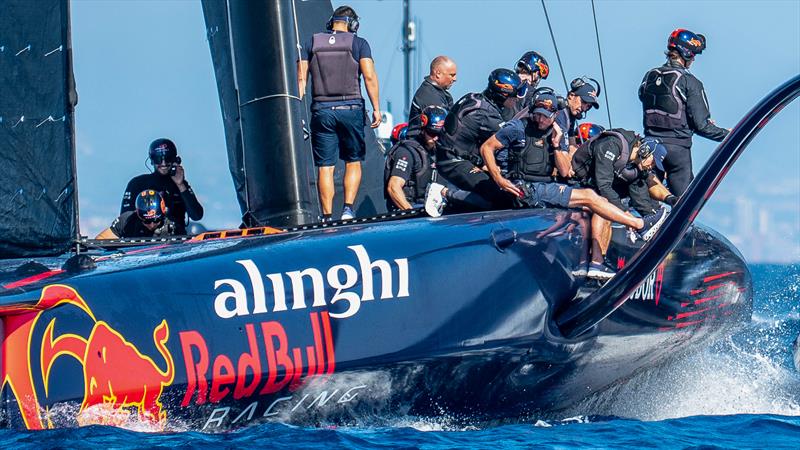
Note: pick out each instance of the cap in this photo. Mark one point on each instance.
(588, 94)
(545, 104)
(652, 146)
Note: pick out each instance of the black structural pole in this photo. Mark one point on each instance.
(408, 47)
(277, 172)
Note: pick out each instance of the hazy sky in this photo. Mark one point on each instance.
(143, 71)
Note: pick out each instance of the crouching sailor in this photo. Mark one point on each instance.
(147, 220)
(409, 163)
(533, 154)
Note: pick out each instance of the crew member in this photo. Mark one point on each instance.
(169, 178)
(472, 120)
(434, 90)
(618, 164)
(531, 68)
(582, 97)
(675, 107)
(409, 163)
(336, 60)
(399, 132)
(531, 142)
(149, 218)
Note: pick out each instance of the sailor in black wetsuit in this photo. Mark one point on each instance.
(149, 218)
(531, 68)
(471, 121)
(409, 163)
(675, 107)
(434, 90)
(169, 179)
(581, 98)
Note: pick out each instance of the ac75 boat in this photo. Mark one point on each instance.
(472, 315)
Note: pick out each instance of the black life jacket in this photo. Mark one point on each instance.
(662, 100)
(334, 72)
(414, 188)
(460, 141)
(583, 159)
(535, 160)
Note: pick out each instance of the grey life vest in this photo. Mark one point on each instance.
(663, 102)
(533, 161)
(414, 188)
(583, 158)
(334, 72)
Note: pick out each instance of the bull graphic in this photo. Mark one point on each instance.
(117, 376)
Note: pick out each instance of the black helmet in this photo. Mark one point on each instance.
(432, 119)
(150, 206)
(504, 83)
(686, 43)
(533, 62)
(163, 150)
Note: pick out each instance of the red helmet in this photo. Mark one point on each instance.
(686, 43)
(399, 132)
(587, 131)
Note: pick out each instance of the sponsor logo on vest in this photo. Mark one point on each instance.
(332, 40)
(338, 284)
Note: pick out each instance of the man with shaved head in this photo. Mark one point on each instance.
(433, 91)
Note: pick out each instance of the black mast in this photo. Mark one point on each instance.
(408, 47)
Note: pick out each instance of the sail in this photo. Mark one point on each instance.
(38, 198)
(254, 48)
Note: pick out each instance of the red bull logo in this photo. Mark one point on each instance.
(118, 378)
(544, 70)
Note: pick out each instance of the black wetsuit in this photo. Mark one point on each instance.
(178, 203)
(597, 164)
(128, 225)
(428, 94)
(675, 107)
(408, 160)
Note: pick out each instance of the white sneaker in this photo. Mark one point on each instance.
(434, 201)
(348, 214)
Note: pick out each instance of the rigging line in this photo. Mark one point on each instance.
(602, 69)
(553, 37)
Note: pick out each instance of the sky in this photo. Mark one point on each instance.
(143, 70)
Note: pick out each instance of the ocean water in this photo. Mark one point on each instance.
(743, 392)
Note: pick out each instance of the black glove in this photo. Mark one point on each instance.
(671, 200)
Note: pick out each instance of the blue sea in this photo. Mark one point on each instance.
(743, 392)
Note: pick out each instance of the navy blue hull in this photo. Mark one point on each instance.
(419, 316)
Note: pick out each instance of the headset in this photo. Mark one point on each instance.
(352, 22)
(562, 102)
(577, 83)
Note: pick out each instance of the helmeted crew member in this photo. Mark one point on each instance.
(336, 60)
(169, 178)
(149, 218)
(618, 164)
(399, 132)
(582, 97)
(409, 163)
(472, 120)
(434, 90)
(675, 107)
(531, 68)
(532, 142)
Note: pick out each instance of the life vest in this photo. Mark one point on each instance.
(533, 161)
(662, 100)
(461, 141)
(583, 158)
(334, 72)
(414, 189)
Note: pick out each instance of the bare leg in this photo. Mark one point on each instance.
(602, 207)
(352, 180)
(325, 187)
(598, 235)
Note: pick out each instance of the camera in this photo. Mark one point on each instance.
(173, 169)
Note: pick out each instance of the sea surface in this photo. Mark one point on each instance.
(743, 392)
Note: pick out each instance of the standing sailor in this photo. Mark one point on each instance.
(336, 60)
(409, 163)
(675, 107)
(434, 90)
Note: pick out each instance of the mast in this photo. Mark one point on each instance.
(409, 37)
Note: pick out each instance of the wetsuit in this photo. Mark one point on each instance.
(471, 121)
(408, 160)
(599, 163)
(178, 203)
(675, 107)
(128, 225)
(428, 94)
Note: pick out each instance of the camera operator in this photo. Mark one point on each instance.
(168, 177)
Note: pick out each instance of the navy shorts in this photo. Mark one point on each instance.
(543, 195)
(337, 134)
